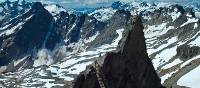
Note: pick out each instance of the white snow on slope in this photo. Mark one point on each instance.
(196, 42)
(197, 14)
(175, 62)
(12, 30)
(191, 79)
(170, 41)
(157, 30)
(42, 73)
(175, 15)
(76, 69)
(116, 41)
(154, 30)
(5, 27)
(50, 85)
(166, 76)
(195, 25)
(73, 26)
(20, 60)
(103, 14)
(188, 61)
(54, 8)
(190, 20)
(92, 38)
(74, 64)
(164, 57)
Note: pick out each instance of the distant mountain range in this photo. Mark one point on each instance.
(123, 45)
(106, 3)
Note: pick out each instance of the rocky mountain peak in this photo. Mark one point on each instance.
(143, 4)
(32, 31)
(128, 68)
(116, 5)
(178, 8)
(47, 46)
(190, 12)
(37, 6)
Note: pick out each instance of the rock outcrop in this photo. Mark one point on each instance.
(129, 67)
(186, 51)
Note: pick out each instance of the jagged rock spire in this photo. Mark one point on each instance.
(129, 68)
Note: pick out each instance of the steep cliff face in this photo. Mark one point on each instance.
(130, 67)
(28, 33)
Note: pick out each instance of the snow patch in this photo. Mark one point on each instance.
(166, 76)
(164, 57)
(175, 15)
(116, 41)
(190, 20)
(76, 69)
(195, 25)
(90, 39)
(54, 8)
(103, 14)
(195, 42)
(175, 62)
(170, 41)
(12, 30)
(155, 30)
(191, 79)
(188, 61)
(20, 60)
(42, 73)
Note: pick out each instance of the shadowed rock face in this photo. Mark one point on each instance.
(129, 68)
(36, 30)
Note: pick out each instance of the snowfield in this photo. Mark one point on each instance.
(191, 79)
(77, 62)
(175, 62)
(103, 14)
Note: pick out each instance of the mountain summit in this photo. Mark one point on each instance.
(125, 45)
(130, 67)
(27, 34)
